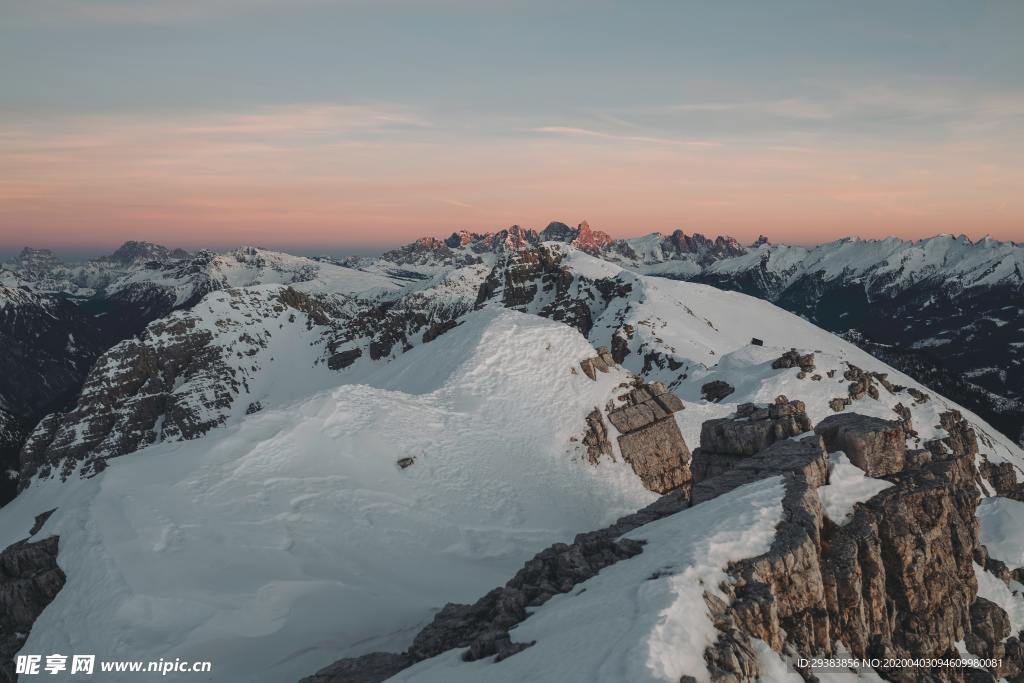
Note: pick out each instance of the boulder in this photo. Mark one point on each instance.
(717, 390)
(754, 428)
(875, 445)
(650, 438)
(795, 359)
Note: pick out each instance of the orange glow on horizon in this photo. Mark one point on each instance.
(314, 176)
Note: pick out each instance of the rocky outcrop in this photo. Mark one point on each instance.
(650, 439)
(483, 627)
(990, 626)
(875, 445)
(726, 441)
(896, 581)
(1002, 477)
(537, 281)
(716, 391)
(599, 363)
(960, 439)
(29, 581)
(177, 381)
(595, 438)
(12, 435)
(795, 359)
(865, 384)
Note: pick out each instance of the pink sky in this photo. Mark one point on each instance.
(337, 176)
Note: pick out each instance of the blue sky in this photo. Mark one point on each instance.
(385, 120)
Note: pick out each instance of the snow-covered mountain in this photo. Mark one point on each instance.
(944, 300)
(291, 476)
(946, 310)
(58, 318)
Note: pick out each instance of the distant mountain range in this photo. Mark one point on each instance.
(506, 457)
(945, 310)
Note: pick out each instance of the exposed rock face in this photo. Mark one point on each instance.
(39, 366)
(896, 581)
(371, 668)
(599, 363)
(595, 439)
(1003, 478)
(861, 383)
(558, 232)
(990, 626)
(650, 438)
(875, 445)
(12, 435)
(805, 457)
(29, 581)
(960, 442)
(590, 241)
(180, 379)
(536, 281)
(728, 440)
(716, 391)
(484, 626)
(132, 251)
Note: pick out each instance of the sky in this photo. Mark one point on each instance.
(352, 124)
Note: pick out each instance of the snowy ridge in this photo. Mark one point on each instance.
(283, 538)
(296, 532)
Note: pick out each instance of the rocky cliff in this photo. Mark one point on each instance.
(29, 580)
(893, 579)
(186, 374)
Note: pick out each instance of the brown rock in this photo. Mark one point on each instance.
(659, 455)
(876, 446)
(596, 438)
(651, 441)
(794, 359)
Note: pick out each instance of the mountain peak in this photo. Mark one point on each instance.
(590, 241)
(133, 251)
(37, 259)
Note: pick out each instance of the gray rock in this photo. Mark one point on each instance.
(875, 445)
(716, 391)
(754, 428)
(372, 668)
(29, 581)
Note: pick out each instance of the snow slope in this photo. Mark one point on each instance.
(708, 332)
(293, 538)
(641, 620)
(248, 266)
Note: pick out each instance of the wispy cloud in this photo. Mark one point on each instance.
(456, 202)
(574, 131)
